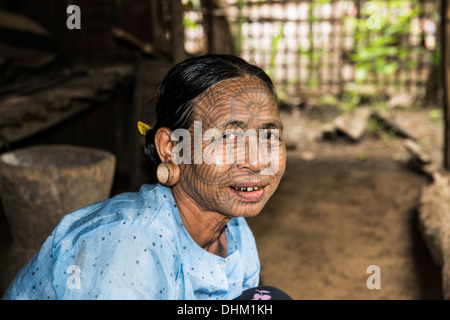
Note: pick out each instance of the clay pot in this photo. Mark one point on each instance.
(41, 184)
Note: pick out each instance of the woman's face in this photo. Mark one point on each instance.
(243, 155)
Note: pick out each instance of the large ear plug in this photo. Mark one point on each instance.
(168, 173)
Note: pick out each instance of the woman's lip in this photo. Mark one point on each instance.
(253, 196)
(249, 184)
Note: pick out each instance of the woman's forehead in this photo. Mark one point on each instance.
(236, 99)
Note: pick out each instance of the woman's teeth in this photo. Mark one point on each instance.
(247, 189)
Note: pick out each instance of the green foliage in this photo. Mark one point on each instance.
(240, 22)
(274, 50)
(378, 51)
(188, 23)
(435, 115)
(382, 48)
(381, 38)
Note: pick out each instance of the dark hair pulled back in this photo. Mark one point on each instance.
(173, 102)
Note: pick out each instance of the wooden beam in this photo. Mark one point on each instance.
(445, 9)
(21, 23)
(24, 116)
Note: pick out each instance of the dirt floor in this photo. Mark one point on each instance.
(342, 207)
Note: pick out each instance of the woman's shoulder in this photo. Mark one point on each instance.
(148, 210)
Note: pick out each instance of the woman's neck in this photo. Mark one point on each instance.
(206, 228)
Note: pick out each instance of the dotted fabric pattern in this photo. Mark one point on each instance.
(134, 246)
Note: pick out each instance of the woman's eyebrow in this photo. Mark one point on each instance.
(272, 125)
(232, 123)
(241, 124)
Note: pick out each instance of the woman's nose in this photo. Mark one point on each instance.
(251, 158)
(256, 167)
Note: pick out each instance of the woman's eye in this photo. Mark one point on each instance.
(230, 136)
(270, 136)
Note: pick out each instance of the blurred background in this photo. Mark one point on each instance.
(362, 97)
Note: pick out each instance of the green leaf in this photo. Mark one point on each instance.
(390, 68)
(360, 74)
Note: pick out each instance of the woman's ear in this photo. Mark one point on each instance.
(163, 143)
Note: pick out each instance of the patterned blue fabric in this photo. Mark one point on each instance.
(134, 246)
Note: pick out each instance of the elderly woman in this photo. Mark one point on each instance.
(184, 237)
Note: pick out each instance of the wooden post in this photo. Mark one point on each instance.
(445, 9)
(176, 12)
(219, 36)
(210, 21)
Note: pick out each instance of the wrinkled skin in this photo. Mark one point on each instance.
(205, 193)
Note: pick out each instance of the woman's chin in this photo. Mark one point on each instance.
(247, 210)
(246, 203)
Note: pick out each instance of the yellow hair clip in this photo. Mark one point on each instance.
(143, 127)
